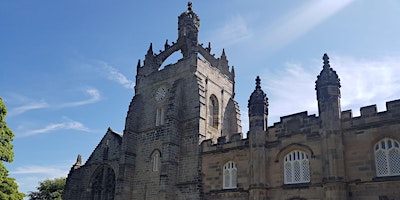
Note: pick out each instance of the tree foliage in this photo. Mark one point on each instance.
(6, 136)
(49, 189)
(8, 186)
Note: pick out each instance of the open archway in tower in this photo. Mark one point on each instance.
(172, 59)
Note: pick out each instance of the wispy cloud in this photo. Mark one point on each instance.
(68, 125)
(30, 106)
(29, 176)
(363, 81)
(115, 75)
(300, 21)
(368, 81)
(234, 30)
(290, 90)
(94, 97)
(51, 172)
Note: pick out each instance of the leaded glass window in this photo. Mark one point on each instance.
(387, 157)
(296, 168)
(230, 175)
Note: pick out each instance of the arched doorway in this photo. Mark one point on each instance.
(102, 183)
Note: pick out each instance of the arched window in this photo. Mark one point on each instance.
(213, 111)
(387, 157)
(155, 161)
(103, 183)
(296, 168)
(160, 116)
(229, 175)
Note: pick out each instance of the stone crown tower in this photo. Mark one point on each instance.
(174, 109)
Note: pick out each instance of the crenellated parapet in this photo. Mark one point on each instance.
(370, 117)
(235, 142)
(298, 123)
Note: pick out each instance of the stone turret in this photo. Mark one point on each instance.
(258, 108)
(332, 148)
(258, 113)
(328, 96)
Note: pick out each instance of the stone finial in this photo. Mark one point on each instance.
(258, 95)
(150, 51)
(190, 4)
(328, 76)
(166, 45)
(326, 60)
(79, 159)
(223, 55)
(138, 64)
(258, 82)
(78, 162)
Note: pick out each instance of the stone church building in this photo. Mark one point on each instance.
(183, 139)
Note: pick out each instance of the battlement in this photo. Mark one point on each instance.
(236, 142)
(369, 115)
(298, 123)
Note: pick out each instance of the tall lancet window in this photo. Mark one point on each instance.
(155, 161)
(213, 112)
(387, 157)
(160, 116)
(296, 168)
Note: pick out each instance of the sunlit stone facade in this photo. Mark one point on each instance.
(183, 139)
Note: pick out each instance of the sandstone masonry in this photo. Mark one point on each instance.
(183, 139)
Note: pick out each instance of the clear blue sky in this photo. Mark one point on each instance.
(68, 67)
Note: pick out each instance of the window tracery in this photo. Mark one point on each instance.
(229, 175)
(103, 183)
(296, 167)
(387, 157)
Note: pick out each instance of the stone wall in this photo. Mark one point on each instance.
(302, 132)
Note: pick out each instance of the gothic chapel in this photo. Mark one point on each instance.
(183, 139)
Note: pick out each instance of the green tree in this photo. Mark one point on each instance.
(50, 189)
(8, 186)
